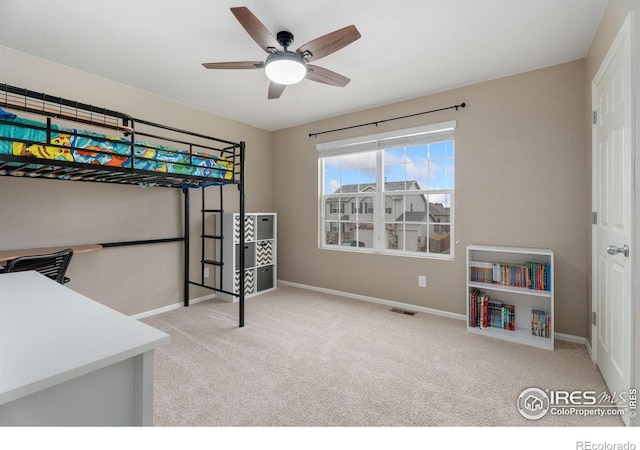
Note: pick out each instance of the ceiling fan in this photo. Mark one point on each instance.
(284, 67)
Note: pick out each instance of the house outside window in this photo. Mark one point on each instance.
(398, 190)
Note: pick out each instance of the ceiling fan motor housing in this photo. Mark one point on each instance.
(285, 39)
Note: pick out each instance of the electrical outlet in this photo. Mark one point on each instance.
(422, 281)
(206, 272)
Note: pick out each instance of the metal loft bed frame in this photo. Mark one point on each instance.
(31, 149)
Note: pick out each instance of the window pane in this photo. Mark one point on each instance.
(441, 150)
(367, 179)
(334, 208)
(394, 168)
(366, 165)
(440, 208)
(331, 181)
(350, 173)
(417, 222)
(349, 180)
(394, 156)
(393, 207)
(412, 235)
(439, 238)
(407, 230)
(417, 153)
(392, 236)
(415, 209)
(332, 163)
(367, 209)
(394, 176)
(441, 173)
(349, 237)
(332, 233)
(362, 236)
(417, 175)
(394, 215)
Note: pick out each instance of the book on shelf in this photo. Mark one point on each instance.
(509, 313)
(481, 271)
(485, 312)
(530, 275)
(540, 323)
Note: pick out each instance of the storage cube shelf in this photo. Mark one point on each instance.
(504, 278)
(259, 253)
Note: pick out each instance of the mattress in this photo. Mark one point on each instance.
(28, 138)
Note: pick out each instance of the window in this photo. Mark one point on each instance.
(336, 207)
(389, 193)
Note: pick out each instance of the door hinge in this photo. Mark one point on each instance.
(594, 218)
(594, 117)
(594, 318)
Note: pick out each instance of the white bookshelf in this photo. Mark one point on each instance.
(260, 231)
(524, 299)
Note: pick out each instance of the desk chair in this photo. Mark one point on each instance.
(53, 265)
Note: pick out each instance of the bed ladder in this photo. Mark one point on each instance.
(216, 238)
(215, 249)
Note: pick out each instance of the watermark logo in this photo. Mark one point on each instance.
(589, 445)
(534, 403)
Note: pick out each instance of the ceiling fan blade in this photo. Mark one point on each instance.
(255, 28)
(275, 90)
(235, 65)
(326, 76)
(329, 43)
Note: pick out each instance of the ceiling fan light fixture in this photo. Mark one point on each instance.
(285, 68)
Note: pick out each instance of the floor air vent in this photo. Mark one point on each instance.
(402, 311)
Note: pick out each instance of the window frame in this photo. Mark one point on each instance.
(378, 143)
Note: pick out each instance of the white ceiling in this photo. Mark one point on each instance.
(408, 48)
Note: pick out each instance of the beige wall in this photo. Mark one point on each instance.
(521, 180)
(42, 213)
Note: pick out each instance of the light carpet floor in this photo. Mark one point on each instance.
(310, 359)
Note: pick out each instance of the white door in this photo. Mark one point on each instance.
(613, 184)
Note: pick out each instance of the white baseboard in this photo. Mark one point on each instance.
(571, 338)
(366, 298)
(393, 303)
(410, 307)
(588, 345)
(153, 312)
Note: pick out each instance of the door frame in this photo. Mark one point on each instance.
(627, 30)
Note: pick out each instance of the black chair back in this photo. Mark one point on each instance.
(53, 265)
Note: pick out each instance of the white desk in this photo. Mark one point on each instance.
(68, 360)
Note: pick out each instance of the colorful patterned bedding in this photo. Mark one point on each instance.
(25, 137)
